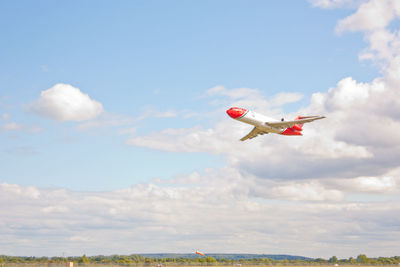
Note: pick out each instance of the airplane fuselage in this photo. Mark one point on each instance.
(258, 120)
(255, 119)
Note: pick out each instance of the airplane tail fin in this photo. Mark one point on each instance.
(299, 127)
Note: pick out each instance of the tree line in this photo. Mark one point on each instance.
(134, 259)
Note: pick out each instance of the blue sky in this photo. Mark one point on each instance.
(115, 112)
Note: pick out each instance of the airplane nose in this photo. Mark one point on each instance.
(235, 112)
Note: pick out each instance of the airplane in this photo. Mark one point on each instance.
(264, 125)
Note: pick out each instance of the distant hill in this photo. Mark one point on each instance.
(226, 256)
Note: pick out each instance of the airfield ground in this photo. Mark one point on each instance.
(167, 265)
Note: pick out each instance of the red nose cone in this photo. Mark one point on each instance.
(236, 112)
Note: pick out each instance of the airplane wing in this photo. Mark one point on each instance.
(288, 124)
(253, 134)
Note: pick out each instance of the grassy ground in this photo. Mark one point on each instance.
(164, 265)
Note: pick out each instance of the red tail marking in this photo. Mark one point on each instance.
(298, 127)
(295, 129)
(291, 131)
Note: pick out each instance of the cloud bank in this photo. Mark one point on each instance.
(218, 211)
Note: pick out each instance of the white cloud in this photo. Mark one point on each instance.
(55, 209)
(387, 183)
(63, 102)
(182, 140)
(15, 127)
(12, 126)
(373, 18)
(383, 46)
(10, 191)
(349, 94)
(373, 15)
(308, 191)
(376, 184)
(285, 98)
(336, 3)
(236, 93)
(353, 108)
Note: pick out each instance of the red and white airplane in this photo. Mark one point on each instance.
(264, 125)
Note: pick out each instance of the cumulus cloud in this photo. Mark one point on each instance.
(385, 184)
(373, 18)
(375, 184)
(372, 15)
(63, 102)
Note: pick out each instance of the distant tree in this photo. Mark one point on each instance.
(130, 260)
(320, 260)
(267, 261)
(84, 259)
(333, 259)
(137, 258)
(148, 261)
(362, 258)
(210, 259)
(351, 260)
(43, 259)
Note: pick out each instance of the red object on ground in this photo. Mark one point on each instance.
(200, 253)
